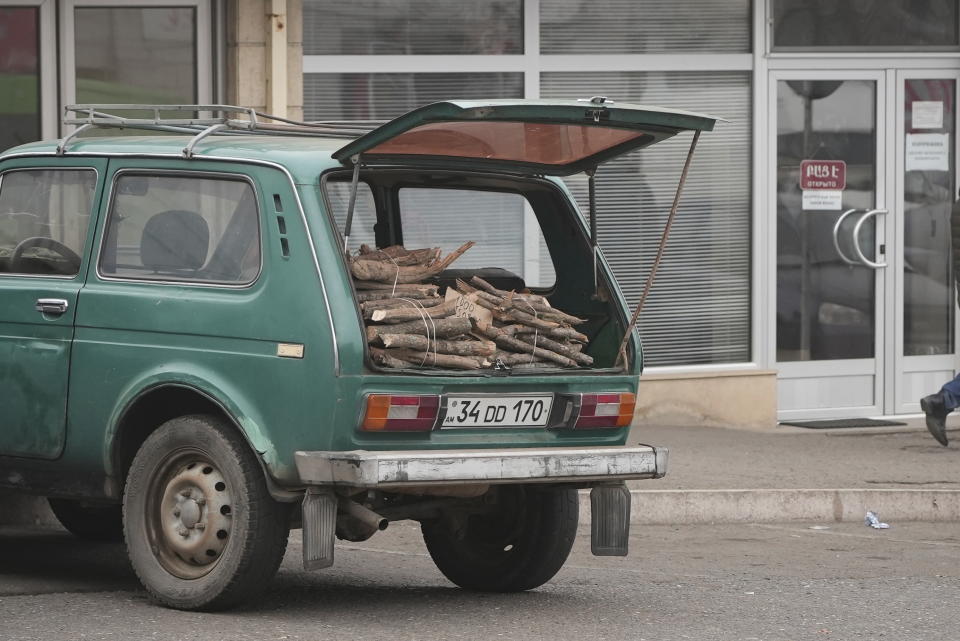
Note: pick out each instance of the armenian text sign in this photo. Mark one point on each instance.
(823, 174)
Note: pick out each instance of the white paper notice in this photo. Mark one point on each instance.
(926, 114)
(822, 199)
(926, 152)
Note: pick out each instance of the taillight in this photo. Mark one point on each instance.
(390, 413)
(606, 410)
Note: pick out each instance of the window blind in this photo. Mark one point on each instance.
(494, 220)
(698, 311)
(880, 25)
(412, 27)
(359, 96)
(651, 26)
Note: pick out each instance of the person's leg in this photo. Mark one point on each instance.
(951, 394)
(937, 406)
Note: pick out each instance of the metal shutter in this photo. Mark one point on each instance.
(699, 309)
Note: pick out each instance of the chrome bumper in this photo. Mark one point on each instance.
(386, 469)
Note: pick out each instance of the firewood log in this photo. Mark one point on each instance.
(568, 333)
(515, 358)
(515, 345)
(476, 281)
(540, 310)
(393, 303)
(430, 290)
(410, 312)
(542, 341)
(381, 357)
(383, 272)
(386, 294)
(433, 359)
(397, 254)
(421, 343)
(440, 328)
(516, 316)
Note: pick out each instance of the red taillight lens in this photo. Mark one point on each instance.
(390, 413)
(606, 410)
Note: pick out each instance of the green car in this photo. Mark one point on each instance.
(187, 363)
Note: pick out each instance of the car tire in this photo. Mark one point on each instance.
(518, 544)
(89, 521)
(202, 530)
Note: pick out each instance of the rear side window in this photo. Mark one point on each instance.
(44, 215)
(182, 228)
(364, 212)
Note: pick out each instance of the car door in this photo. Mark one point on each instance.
(47, 210)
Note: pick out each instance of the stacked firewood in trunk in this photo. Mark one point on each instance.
(474, 325)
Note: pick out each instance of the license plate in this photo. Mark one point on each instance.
(504, 411)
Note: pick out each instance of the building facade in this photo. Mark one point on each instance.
(808, 272)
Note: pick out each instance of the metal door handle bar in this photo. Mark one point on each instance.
(836, 237)
(856, 239)
(51, 305)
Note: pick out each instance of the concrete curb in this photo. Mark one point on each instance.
(690, 507)
(684, 507)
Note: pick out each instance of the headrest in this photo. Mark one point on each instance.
(175, 240)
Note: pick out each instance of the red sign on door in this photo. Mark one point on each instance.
(823, 174)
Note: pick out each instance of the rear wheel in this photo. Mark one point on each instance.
(202, 530)
(519, 544)
(89, 521)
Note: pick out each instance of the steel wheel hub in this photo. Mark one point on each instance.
(195, 519)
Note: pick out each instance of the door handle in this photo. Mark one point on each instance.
(55, 306)
(836, 238)
(856, 239)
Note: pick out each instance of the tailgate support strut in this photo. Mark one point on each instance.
(353, 202)
(592, 190)
(622, 352)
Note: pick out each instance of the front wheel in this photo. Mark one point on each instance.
(519, 543)
(201, 528)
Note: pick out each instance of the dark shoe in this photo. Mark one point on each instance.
(936, 413)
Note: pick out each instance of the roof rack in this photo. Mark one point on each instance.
(209, 120)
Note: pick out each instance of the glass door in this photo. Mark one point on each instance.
(866, 177)
(924, 297)
(831, 226)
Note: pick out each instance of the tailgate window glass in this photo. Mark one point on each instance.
(44, 216)
(182, 228)
(503, 225)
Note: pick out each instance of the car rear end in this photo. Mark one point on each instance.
(422, 441)
(488, 451)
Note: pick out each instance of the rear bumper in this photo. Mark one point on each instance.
(386, 469)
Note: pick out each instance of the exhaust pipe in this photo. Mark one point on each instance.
(356, 522)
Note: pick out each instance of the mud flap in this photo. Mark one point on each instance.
(609, 520)
(319, 527)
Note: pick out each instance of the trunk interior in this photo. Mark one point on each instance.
(528, 239)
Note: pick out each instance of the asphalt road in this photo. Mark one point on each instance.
(727, 582)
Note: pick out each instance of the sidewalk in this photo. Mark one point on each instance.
(724, 475)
